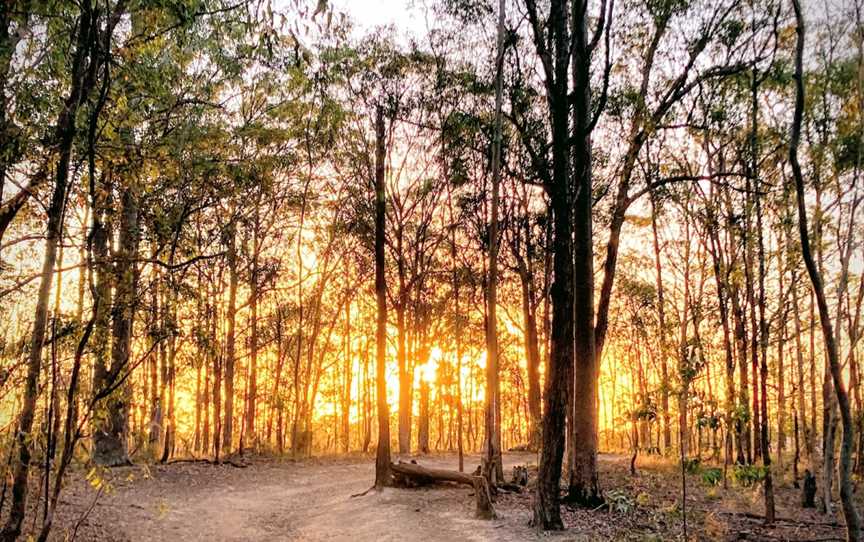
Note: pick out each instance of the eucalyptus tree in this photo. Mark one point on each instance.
(562, 43)
(850, 513)
(91, 41)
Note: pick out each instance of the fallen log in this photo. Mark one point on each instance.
(414, 474)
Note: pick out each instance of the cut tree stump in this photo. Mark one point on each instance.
(412, 474)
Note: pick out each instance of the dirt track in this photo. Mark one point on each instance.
(311, 501)
(282, 500)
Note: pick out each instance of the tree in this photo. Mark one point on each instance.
(850, 513)
(91, 41)
(493, 467)
(382, 455)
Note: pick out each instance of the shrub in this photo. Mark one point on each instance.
(748, 475)
(712, 476)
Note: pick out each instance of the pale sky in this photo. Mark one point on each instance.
(370, 13)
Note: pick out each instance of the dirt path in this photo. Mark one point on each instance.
(275, 500)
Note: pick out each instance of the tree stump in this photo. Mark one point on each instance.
(808, 493)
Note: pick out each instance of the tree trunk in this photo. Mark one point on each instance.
(584, 486)
(423, 426)
(251, 437)
(382, 461)
(348, 370)
(491, 463)
(547, 514)
(799, 359)
(80, 88)
(850, 513)
(414, 474)
(228, 425)
(111, 440)
(661, 324)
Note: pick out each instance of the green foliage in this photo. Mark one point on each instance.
(712, 476)
(748, 475)
(709, 421)
(647, 411)
(663, 10)
(730, 31)
(741, 415)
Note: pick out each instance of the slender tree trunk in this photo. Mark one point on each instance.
(217, 380)
(492, 466)
(382, 460)
(85, 39)
(661, 324)
(799, 365)
(349, 373)
(423, 425)
(228, 425)
(252, 401)
(850, 513)
(406, 387)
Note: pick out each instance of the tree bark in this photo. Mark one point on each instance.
(383, 475)
(111, 440)
(850, 513)
(584, 486)
(491, 463)
(228, 424)
(81, 85)
(661, 331)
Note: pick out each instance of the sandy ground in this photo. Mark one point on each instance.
(283, 500)
(311, 500)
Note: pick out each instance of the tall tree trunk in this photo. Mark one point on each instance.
(349, 373)
(744, 434)
(251, 437)
(661, 324)
(584, 486)
(80, 88)
(492, 466)
(559, 374)
(217, 378)
(155, 435)
(103, 377)
(228, 424)
(423, 425)
(532, 353)
(763, 323)
(457, 332)
(111, 440)
(406, 386)
(850, 513)
(799, 365)
(382, 456)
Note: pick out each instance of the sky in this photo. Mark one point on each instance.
(370, 13)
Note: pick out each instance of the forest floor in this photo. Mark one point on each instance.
(273, 499)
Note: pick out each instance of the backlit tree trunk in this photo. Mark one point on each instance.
(850, 513)
(382, 456)
(228, 424)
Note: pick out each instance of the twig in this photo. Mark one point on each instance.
(363, 494)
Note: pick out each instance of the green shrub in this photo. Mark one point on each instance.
(748, 475)
(712, 476)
